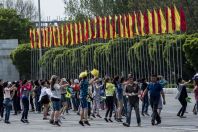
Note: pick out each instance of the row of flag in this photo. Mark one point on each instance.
(109, 27)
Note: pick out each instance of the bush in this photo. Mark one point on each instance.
(21, 58)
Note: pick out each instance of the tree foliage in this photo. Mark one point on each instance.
(21, 58)
(12, 26)
(24, 8)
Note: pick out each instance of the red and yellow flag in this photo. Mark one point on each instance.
(142, 23)
(31, 39)
(136, 24)
(169, 28)
(130, 26)
(156, 22)
(177, 19)
(39, 37)
(150, 22)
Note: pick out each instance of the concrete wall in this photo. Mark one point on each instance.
(8, 72)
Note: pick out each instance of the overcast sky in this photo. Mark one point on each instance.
(52, 8)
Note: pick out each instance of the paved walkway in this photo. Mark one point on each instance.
(170, 122)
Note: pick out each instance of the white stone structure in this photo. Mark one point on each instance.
(8, 72)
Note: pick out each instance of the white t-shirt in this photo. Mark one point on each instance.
(43, 92)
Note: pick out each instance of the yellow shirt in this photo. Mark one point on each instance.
(110, 89)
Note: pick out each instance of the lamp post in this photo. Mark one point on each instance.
(40, 50)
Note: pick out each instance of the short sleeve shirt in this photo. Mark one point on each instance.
(155, 89)
(133, 88)
(84, 88)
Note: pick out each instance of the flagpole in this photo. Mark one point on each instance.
(40, 50)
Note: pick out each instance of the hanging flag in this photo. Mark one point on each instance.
(100, 27)
(125, 27)
(114, 26)
(169, 28)
(159, 21)
(130, 26)
(83, 25)
(163, 22)
(103, 27)
(44, 37)
(173, 18)
(156, 22)
(39, 41)
(74, 33)
(55, 36)
(121, 27)
(87, 30)
(92, 27)
(48, 36)
(183, 20)
(59, 37)
(177, 19)
(153, 21)
(146, 23)
(136, 24)
(139, 24)
(52, 37)
(79, 32)
(63, 34)
(150, 22)
(31, 39)
(107, 27)
(111, 24)
(142, 23)
(69, 33)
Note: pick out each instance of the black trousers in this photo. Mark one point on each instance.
(109, 105)
(183, 108)
(1, 107)
(154, 100)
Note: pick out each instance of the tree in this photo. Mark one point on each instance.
(12, 26)
(191, 52)
(26, 9)
(21, 58)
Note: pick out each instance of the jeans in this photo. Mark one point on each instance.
(25, 102)
(154, 100)
(145, 104)
(125, 105)
(8, 106)
(1, 107)
(183, 108)
(129, 110)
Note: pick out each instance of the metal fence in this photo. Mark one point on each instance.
(120, 59)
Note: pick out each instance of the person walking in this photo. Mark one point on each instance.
(109, 90)
(25, 91)
(156, 91)
(182, 96)
(44, 99)
(37, 93)
(55, 99)
(84, 84)
(8, 99)
(132, 92)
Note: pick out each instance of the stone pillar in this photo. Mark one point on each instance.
(8, 71)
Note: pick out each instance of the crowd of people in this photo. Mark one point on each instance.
(88, 97)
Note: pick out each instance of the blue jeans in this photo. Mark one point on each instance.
(25, 102)
(8, 106)
(129, 110)
(145, 104)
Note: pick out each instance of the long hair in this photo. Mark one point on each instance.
(53, 81)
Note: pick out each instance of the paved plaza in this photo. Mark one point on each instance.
(170, 122)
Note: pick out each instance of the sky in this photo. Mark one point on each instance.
(52, 8)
